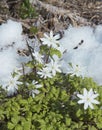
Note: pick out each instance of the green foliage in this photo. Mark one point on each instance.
(55, 52)
(55, 108)
(49, 51)
(27, 10)
(33, 30)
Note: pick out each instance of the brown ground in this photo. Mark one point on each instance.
(54, 14)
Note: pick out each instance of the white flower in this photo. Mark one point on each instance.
(17, 71)
(11, 85)
(54, 67)
(45, 72)
(35, 91)
(77, 70)
(38, 57)
(88, 98)
(50, 40)
(36, 84)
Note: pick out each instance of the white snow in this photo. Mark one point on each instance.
(11, 39)
(10, 32)
(88, 54)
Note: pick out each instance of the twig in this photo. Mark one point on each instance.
(13, 2)
(29, 50)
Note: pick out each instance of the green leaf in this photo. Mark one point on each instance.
(64, 96)
(10, 126)
(33, 30)
(68, 121)
(91, 128)
(1, 114)
(23, 102)
(18, 127)
(27, 125)
(28, 115)
(30, 64)
(99, 125)
(55, 52)
(15, 119)
(27, 10)
(78, 113)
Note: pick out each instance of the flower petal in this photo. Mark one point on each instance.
(86, 105)
(95, 102)
(51, 34)
(80, 96)
(85, 92)
(91, 106)
(80, 101)
(56, 37)
(95, 95)
(46, 36)
(90, 93)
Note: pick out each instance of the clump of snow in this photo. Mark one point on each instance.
(95, 66)
(11, 39)
(10, 32)
(8, 61)
(83, 47)
(74, 35)
(98, 33)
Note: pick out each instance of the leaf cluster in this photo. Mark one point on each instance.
(55, 108)
(27, 10)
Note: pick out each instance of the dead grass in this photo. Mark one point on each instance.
(55, 14)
